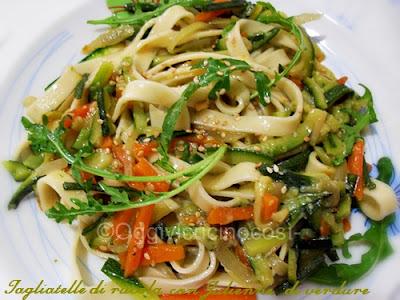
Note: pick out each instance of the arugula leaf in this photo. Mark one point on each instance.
(112, 269)
(117, 195)
(295, 30)
(264, 92)
(385, 170)
(376, 237)
(139, 17)
(37, 135)
(120, 201)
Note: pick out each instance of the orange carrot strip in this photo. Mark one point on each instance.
(82, 111)
(355, 165)
(324, 228)
(346, 225)
(144, 168)
(270, 206)
(160, 253)
(207, 16)
(342, 80)
(226, 215)
(144, 149)
(107, 142)
(121, 222)
(135, 250)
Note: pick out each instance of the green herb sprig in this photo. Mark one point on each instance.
(120, 199)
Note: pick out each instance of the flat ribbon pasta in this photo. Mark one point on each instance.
(54, 96)
(262, 125)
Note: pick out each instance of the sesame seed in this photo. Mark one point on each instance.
(222, 91)
(146, 140)
(201, 148)
(100, 121)
(276, 168)
(227, 63)
(196, 80)
(270, 170)
(284, 189)
(205, 63)
(307, 139)
(146, 256)
(232, 68)
(220, 73)
(197, 214)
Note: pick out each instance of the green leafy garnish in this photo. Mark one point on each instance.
(385, 170)
(131, 285)
(38, 137)
(377, 239)
(139, 17)
(120, 200)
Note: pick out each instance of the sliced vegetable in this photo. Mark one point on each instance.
(227, 215)
(317, 93)
(155, 254)
(133, 257)
(235, 156)
(264, 244)
(24, 189)
(337, 93)
(17, 170)
(113, 270)
(260, 39)
(355, 166)
(270, 206)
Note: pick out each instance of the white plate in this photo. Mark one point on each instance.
(361, 41)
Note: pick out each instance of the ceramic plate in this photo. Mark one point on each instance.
(360, 39)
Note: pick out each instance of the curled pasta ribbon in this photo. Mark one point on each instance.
(150, 92)
(198, 193)
(262, 125)
(50, 190)
(314, 166)
(242, 172)
(54, 96)
(191, 282)
(198, 265)
(379, 202)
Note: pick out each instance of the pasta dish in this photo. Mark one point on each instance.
(202, 142)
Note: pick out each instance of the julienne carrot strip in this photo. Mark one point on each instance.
(227, 215)
(121, 222)
(342, 80)
(355, 165)
(107, 143)
(242, 256)
(134, 255)
(346, 225)
(207, 16)
(324, 228)
(144, 168)
(67, 122)
(160, 253)
(81, 111)
(144, 149)
(270, 206)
